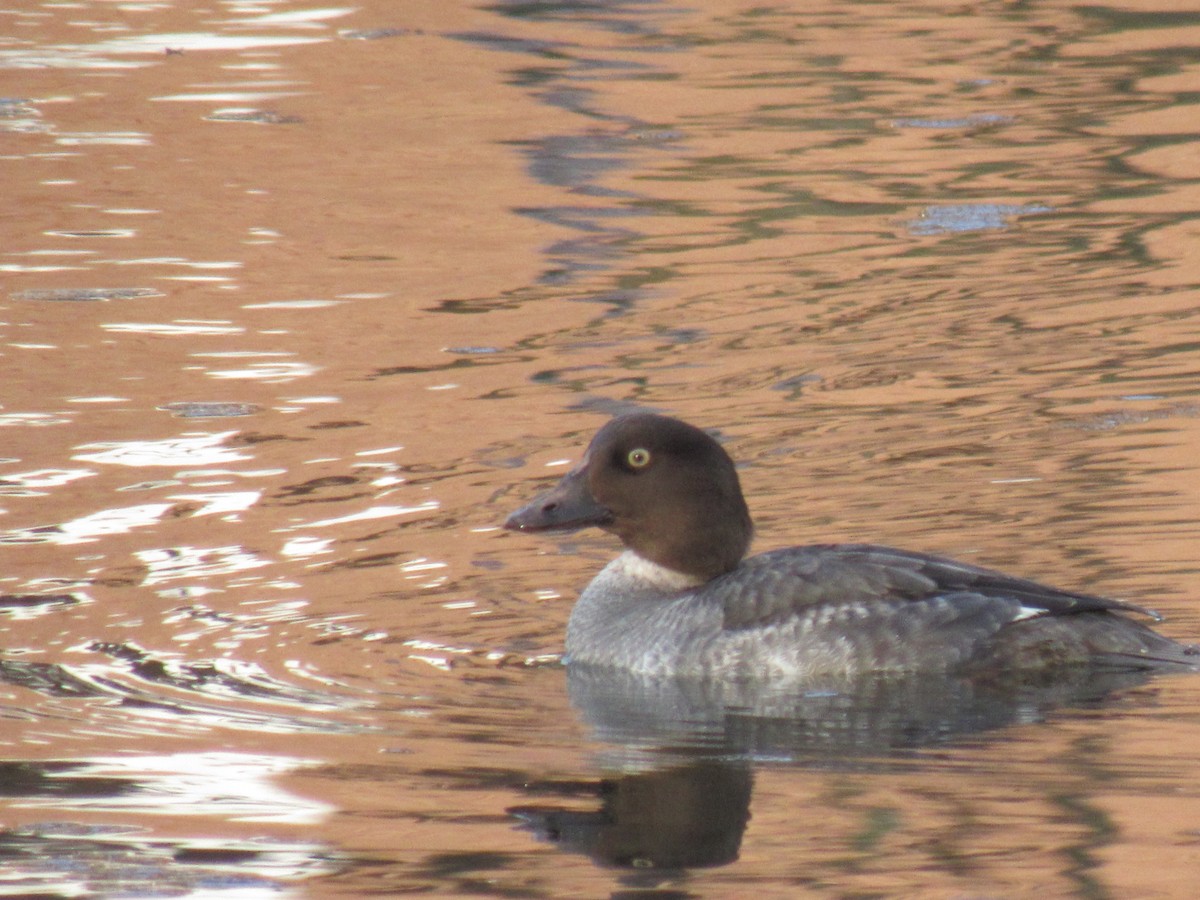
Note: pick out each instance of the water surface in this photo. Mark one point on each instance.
(299, 302)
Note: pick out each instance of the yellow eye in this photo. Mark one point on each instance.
(638, 458)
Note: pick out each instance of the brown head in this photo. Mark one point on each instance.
(665, 488)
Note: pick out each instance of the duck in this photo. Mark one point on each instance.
(684, 599)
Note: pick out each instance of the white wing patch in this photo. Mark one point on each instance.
(1028, 612)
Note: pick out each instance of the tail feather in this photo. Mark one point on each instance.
(1103, 639)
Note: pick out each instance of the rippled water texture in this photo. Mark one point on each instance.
(299, 302)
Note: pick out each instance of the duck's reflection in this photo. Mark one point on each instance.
(680, 753)
(685, 816)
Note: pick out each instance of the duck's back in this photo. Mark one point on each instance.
(844, 610)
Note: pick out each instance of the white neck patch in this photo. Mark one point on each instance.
(641, 569)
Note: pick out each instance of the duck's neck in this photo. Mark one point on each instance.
(629, 565)
(696, 545)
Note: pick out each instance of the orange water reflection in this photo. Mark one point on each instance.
(298, 302)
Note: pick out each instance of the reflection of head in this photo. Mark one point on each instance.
(687, 816)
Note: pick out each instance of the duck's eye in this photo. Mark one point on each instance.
(638, 458)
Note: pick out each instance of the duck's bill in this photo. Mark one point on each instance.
(567, 506)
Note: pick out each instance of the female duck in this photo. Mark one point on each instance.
(683, 599)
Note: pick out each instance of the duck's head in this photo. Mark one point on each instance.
(665, 488)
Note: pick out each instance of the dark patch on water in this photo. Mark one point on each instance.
(189, 409)
(36, 601)
(973, 121)
(82, 295)
(1121, 417)
(344, 423)
(375, 34)
(964, 217)
(30, 779)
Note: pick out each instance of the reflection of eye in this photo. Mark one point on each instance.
(639, 458)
